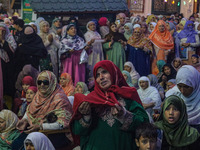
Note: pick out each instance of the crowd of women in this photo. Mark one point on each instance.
(96, 90)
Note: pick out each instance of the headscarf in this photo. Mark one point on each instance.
(154, 24)
(179, 59)
(183, 22)
(172, 74)
(103, 21)
(128, 80)
(128, 33)
(54, 100)
(149, 18)
(189, 76)
(136, 26)
(188, 32)
(154, 82)
(11, 121)
(37, 22)
(107, 97)
(134, 74)
(28, 80)
(69, 88)
(140, 41)
(33, 88)
(42, 34)
(116, 35)
(39, 141)
(146, 33)
(53, 27)
(179, 134)
(160, 64)
(196, 27)
(84, 87)
(162, 40)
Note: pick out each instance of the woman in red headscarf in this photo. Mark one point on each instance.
(163, 43)
(107, 117)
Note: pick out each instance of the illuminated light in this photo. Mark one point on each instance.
(178, 3)
(195, 1)
(184, 2)
(165, 1)
(189, 1)
(135, 2)
(173, 2)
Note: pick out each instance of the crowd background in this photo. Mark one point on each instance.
(54, 77)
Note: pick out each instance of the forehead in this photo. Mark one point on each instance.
(99, 70)
(42, 78)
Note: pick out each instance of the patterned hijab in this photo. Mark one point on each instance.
(180, 133)
(162, 40)
(84, 87)
(68, 88)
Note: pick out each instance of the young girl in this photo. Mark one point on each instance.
(178, 135)
(30, 93)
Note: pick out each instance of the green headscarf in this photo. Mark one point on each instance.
(128, 80)
(180, 133)
(160, 64)
(84, 87)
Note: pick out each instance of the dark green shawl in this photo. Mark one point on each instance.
(179, 134)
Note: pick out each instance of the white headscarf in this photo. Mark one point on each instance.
(136, 26)
(39, 141)
(150, 94)
(152, 23)
(134, 74)
(189, 76)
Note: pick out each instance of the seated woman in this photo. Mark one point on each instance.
(173, 120)
(108, 117)
(27, 81)
(139, 49)
(67, 84)
(127, 77)
(82, 88)
(188, 88)
(149, 96)
(128, 66)
(195, 61)
(154, 82)
(8, 131)
(30, 93)
(176, 63)
(37, 141)
(50, 108)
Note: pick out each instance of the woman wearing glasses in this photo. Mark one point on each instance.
(50, 108)
(139, 49)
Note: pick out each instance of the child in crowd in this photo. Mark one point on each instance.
(30, 93)
(146, 137)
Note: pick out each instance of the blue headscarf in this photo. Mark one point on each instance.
(128, 80)
(188, 32)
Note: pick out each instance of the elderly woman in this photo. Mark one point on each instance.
(38, 141)
(139, 49)
(188, 88)
(188, 41)
(114, 46)
(122, 20)
(8, 46)
(52, 46)
(149, 96)
(107, 117)
(93, 38)
(173, 120)
(8, 131)
(82, 88)
(50, 108)
(71, 48)
(67, 83)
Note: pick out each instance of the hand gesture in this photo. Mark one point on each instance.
(85, 108)
(71, 50)
(32, 128)
(22, 124)
(117, 110)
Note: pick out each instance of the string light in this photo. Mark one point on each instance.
(165, 1)
(178, 3)
(189, 1)
(173, 2)
(184, 2)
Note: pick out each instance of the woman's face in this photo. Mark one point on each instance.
(57, 23)
(198, 28)
(113, 28)
(153, 19)
(30, 95)
(161, 28)
(79, 89)
(177, 63)
(169, 85)
(172, 114)
(2, 34)
(45, 28)
(168, 27)
(127, 68)
(43, 84)
(137, 33)
(185, 89)
(29, 146)
(167, 70)
(2, 125)
(103, 78)
(151, 27)
(125, 76)
(72, 31)
(92, 26)
(181, 27)
(63, 81)
(122, 20)
(143, 29)
(194, 60)
(144, 84)
(127, 28)
(25, 87)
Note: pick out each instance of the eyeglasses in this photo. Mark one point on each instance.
(45, 82)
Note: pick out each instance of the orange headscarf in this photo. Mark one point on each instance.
(69, 88)
(163, 40)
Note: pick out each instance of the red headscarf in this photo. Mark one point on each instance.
(107, 97)
(163, 40)
(103, 21)
(29, 81)
(33, 88)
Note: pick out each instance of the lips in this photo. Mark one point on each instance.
(103, 83)
(171, 119)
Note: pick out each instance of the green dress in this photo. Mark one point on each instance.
(105, 132)
(6, 141)
(115, 53)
